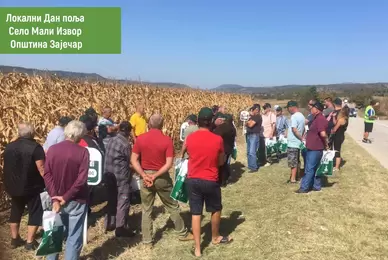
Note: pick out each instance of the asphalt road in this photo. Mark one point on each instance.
(379, 138)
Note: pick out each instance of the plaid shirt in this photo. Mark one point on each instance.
(281, 125)
(117, 158)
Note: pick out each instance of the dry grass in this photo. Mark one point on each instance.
(348, 220)
(42, 101)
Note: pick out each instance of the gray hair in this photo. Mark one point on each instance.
(26, 130)
(75, 130)
(156, 121)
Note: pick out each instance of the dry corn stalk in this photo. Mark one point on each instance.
(42, 100)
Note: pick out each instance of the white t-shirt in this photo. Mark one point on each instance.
(183, 127)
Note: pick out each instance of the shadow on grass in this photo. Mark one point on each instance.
(236, 171)
(227, 226)
(325, 182)
(170, 225)
(343, 162)
(113, 247)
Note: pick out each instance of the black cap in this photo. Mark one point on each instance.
(318, 105)
(63, 121)
(279, 108)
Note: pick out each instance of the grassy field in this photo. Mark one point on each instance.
(347, 220)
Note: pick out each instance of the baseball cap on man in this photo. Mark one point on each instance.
(205, 113)
(278, 108)
(63, 121)
(192, 118)
(318, 105)
(292, 103)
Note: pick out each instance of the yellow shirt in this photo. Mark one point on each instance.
(138, 123)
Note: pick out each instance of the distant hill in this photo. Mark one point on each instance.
(83, 76)
(292, 90)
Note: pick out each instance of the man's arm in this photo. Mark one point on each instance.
(165, 168)
(132, 121)
(372, 117)
(297, 134)
(39, 158)
(324, 139)
(251, 123)
(48, 177)
(81, 179)
(183, 150)
(136, 165)
(221, 155)
(273, 125)
(169, 161)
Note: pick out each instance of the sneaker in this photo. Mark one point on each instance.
(32, 246)
(188, 237)
(301, 191)
(123, 232)
(17, 242)
(267, 164)
(253, 171)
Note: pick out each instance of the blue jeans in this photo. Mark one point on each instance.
(252, 147)
(73, 218)
(309, 179)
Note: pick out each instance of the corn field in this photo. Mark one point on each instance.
(42, 100)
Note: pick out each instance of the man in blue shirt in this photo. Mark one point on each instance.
(56, 135)
(294, 138)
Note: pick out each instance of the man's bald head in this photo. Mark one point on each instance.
(156, 121)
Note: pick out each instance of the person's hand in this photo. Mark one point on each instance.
(327, 147)
(56, 207)
(60, 199)
(148, 181)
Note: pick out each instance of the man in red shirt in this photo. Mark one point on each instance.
(316, 142)
(206, 155)
(152, 157)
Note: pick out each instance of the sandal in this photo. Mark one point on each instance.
(224, 240)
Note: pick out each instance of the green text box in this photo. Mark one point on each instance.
(77, 30)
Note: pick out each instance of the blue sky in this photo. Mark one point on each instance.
(206, 43)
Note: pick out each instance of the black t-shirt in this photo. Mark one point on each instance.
(256, 129)
(39, 154)
(35, 181)
(331, 124)
(228, 134)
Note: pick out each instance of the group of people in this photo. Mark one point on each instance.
(307, 137)
(137, 146)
